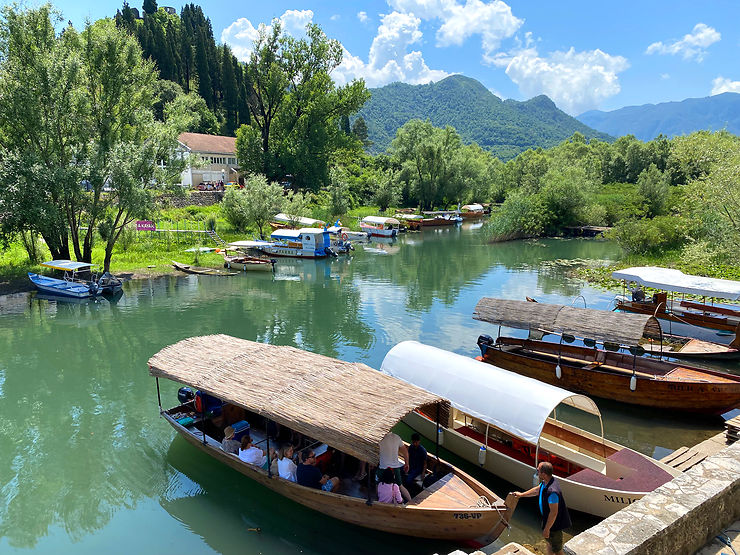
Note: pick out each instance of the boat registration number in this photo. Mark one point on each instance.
(466, 516)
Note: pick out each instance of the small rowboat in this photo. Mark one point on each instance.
(188, 269)
(603, 372)
(347, 406)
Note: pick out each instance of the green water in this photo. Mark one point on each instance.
(87, 465)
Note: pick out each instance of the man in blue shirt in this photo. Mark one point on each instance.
(555, 517)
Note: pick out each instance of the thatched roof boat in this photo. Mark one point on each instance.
(348, 406)
(603, 372)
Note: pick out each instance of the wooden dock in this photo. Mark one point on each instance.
(684, 458)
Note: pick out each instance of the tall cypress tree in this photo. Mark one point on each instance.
(150, 6)
(230, 91)
(344, 124)
(205, 89)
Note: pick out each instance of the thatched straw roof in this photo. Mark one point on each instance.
(347, 405)
(601, 325)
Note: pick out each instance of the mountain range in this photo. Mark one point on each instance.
(646, 122)
(504, 127)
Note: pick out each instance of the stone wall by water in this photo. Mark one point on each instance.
(197, 198)
(678, 517)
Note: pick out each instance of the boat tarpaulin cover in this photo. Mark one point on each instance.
(306, 222)
(511, 402)
(67, 265)
(676, 280)
(379, 220)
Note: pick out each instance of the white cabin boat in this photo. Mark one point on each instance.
(504, 422)
(345, 234)
(307, 242)
(378, 226)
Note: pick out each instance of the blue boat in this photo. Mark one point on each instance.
(64, 287)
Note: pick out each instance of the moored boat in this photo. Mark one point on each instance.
(79, 280)
(441, 218)
(411, 221)
(681, 311)
(63, 287)
(188, 269)
(307, 242)
(379, 226)
(472, 211)
(603, 372)
(344, 406)
(504, 422)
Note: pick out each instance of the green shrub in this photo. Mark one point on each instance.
(652, 236)
(520, 216)
(210, 221)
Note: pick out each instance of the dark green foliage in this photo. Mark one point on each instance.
(653, 236)
(504, 128)
(359, 130)
(149, 6)
(344, 124)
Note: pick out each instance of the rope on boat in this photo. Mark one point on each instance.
(485, 503)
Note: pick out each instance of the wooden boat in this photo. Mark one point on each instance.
(188, 269)
(246, 259)
(472, 211)
(312, 394)
(378, 226)
(412, 222)
(661, 344)
(683, 311)
(503, 422)
(441, 218)
(602, 372)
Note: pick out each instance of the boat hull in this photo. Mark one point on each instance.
(292, 252)
(715, 322)
(61, 288)
(589, 499)
(375, 232)
(249, 265)
(434, 523)
(709, 397)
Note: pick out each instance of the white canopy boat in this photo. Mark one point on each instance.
(72, 284)
(307, 242)
(379, 226)
(297, 221)
(681, 311)
(505, 422)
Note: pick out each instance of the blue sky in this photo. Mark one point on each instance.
(583, 55)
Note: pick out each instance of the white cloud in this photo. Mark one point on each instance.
(335, 17)
(362, 16)
(691, 46)
(241, 34)
(575, 81)
(389, 59)
(722, 85)
(665, 76)
(493, 21)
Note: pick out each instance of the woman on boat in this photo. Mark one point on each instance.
(286, 466)
(388, 490)
(229, 444)
(251, 454)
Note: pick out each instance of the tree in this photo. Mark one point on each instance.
(230, 93)
(297, 206)
(149, 7)
(359, 130)
(387, 192)
(256, 204)
(197, 117)
(653, 188)
(249, 150)
(344, 124)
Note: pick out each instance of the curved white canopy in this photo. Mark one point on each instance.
(380, 220)
(513, 403)
(472, 207)
(676, 280)
(306, 222)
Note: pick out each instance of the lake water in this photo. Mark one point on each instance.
(87, 465)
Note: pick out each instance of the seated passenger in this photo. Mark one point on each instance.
(229, 444)
(309, 475)
(417, 459)
(251, 454)
(285, 464)
(390, 447)
(388, 490)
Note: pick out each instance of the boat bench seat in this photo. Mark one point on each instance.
(646, 475)
(581, 459)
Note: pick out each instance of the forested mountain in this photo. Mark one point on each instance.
(505, 128)
(646, 122)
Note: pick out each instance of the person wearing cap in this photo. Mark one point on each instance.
(229, 444)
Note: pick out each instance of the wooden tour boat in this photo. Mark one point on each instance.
(682, 311)
(188, 269)
(505, 423)
(348, 406)
(246, 259)
(472, 211)
(412, 222)
(441, 218)
(603, 372)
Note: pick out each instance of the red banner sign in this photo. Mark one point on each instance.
(145, 225)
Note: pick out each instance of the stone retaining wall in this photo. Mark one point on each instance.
(678, 517)
(194, 198)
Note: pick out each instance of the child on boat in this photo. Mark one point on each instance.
(388, 489)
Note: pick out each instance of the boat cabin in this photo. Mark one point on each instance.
(380, 226)
(306, 238)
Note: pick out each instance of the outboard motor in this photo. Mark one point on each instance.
(484, 343)
(185, 394)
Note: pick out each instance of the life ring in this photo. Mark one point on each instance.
(345, 236)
